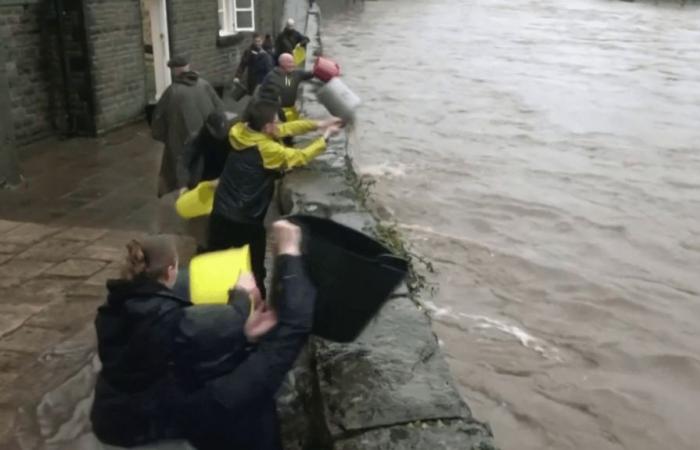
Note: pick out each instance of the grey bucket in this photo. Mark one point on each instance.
(339, 100)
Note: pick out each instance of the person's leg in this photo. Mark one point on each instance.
(225, 234)
(198, 228)
(222, 233)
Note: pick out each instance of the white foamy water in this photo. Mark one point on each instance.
(545, 156)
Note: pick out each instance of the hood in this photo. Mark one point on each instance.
(189, 78)
(120, 291)
(242, 137)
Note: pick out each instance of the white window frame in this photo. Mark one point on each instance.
(227, 10)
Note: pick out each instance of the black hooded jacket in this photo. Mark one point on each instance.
(167, 366)
(136, 390)
(288, 39)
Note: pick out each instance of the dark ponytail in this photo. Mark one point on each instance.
(149, 258)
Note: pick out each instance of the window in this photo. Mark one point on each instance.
(235, 16)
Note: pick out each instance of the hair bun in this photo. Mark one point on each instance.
(135, 260)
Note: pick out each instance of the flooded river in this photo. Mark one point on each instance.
(545, 156)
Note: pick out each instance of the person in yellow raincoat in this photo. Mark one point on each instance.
(247, 183)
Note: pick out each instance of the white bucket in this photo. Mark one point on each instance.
(339, 100)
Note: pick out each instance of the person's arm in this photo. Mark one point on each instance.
(262, 373)
(215, 99)
(304, 75)
(301, 39)
(243, 64)
(277, 156)
(296, 127)
(187, 165)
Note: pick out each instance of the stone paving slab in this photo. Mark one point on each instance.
(76, 268)
(52, 249)
(21, 269)
(6, 225)
(81, 234)
(52, 279)
(27, 233)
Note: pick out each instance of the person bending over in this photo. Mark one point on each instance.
(246, 186)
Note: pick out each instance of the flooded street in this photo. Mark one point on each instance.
(545, 156)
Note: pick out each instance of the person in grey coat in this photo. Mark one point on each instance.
(180, 114)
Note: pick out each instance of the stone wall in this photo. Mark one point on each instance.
(391, 388)
(194, 31)
(118, 70)
(26, 72)
(115, 43)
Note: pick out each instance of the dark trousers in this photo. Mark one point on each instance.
(224, 234)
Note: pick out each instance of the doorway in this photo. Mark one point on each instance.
(156, 47)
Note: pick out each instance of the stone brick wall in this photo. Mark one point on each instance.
(115, 44)
(194, 30)
(26, 72)
(118, 69)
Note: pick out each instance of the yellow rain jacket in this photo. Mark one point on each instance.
(247, 183)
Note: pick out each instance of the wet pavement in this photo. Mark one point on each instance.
(105, 182)
(61, 237)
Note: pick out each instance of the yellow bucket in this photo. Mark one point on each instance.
(291, 113)
(299, 54)
(213, 274)
(197, 202)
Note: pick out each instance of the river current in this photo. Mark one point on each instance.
(545, 156)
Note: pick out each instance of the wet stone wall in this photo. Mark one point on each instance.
(391, 388)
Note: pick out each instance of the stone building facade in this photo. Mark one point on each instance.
(78, 67)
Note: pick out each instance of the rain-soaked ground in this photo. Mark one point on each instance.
(544, 156)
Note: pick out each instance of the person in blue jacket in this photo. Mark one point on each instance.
(207, 374)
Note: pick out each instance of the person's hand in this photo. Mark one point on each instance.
(332, 121)
(246, 281)
(182, 190)
(261, 320)
(287, 237)
(331, 131)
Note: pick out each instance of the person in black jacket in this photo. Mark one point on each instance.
(257, 61)
(203, 159)
(207, 374)
(289, 38)
(205, 153)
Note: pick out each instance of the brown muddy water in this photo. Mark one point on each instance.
(545, 155)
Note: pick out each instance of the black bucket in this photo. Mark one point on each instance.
(239, 91)
(353, 274)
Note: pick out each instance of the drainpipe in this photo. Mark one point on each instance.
(9, 168)
(171, 28)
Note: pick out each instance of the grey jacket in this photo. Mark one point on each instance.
(179, 114)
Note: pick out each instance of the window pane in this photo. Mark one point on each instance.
(244, 3)
(244, 19)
